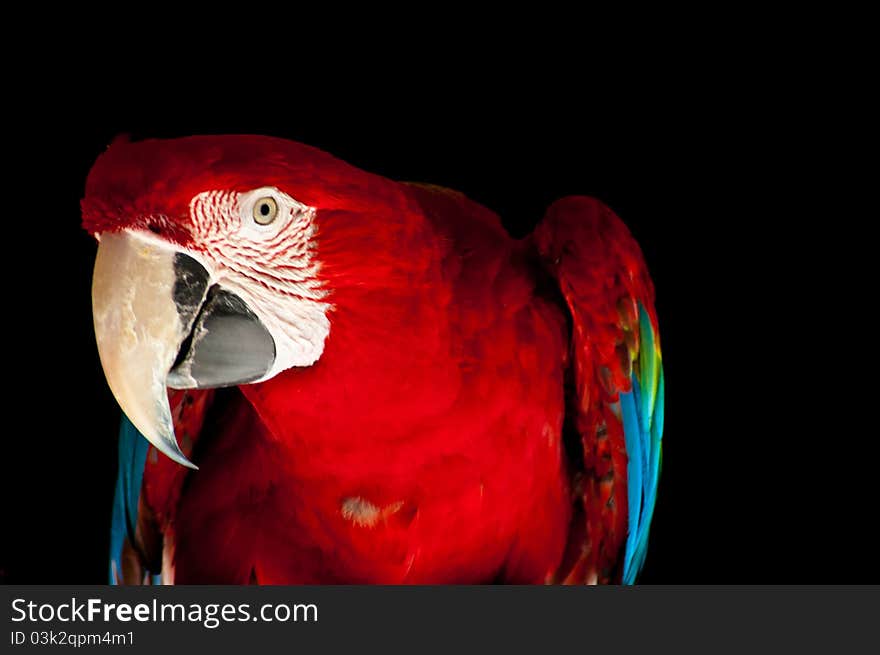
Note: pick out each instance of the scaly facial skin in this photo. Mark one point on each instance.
(239, 303)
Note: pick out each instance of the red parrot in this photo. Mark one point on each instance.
(358, 380)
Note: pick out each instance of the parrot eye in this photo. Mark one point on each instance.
(265, 210)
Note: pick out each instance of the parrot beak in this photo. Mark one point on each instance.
(159, 323)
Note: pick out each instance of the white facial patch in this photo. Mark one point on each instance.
(267, 258)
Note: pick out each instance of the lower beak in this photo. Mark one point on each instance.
(159, 323)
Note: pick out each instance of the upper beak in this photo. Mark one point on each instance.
(159, 323)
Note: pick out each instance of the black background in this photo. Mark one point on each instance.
(756, 487)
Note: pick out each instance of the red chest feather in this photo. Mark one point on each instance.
(424, 446)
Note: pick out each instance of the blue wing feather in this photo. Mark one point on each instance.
(635, 470)
(132, 458)
(642, 415)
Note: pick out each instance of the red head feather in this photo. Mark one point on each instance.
(149, 184)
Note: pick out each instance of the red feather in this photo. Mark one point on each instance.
(427, 444)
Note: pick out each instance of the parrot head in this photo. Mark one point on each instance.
(217, 262)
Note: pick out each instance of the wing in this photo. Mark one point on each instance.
(615, 401)
(147, 488)
(132, 457)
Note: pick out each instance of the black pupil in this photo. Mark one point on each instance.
(264, 209)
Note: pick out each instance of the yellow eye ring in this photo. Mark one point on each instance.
(265, 210)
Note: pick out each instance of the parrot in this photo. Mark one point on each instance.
(330, 377)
